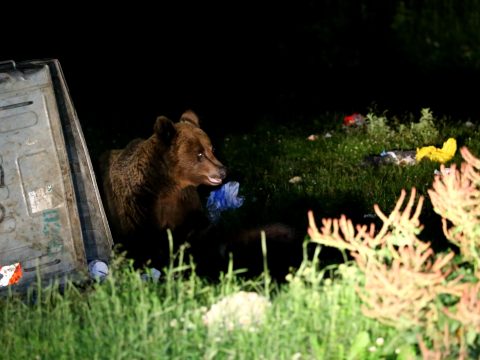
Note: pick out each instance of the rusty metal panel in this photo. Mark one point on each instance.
(51, 216)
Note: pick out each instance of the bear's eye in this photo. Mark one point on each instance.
(200, 156)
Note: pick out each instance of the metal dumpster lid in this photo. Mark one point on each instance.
(53, 217)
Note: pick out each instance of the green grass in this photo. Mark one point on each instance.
(125, 318)
(315, 314)
(335, 179)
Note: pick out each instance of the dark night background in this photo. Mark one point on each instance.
(238, 64)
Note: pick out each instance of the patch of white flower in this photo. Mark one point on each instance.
(297, 356)
(242, 310)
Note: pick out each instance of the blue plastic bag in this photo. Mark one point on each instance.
(224, 198)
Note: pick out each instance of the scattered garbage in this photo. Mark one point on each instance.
(295, 180)
(242, 310)
(152, 275)
(10, 274)
(411, 157)
(397, 157)
(315, 137)
(224, 198)
(355, 119)
(98, 270)
(442, 155)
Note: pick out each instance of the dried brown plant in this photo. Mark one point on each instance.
(402, 275)
(456, 197)
(441, 346)
(403, 281)
(467, 310)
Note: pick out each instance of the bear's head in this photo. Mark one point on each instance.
(189, 152)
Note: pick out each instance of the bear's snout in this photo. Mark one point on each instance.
(217, 177)
(222, 172)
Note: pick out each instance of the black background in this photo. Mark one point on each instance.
(234, 65)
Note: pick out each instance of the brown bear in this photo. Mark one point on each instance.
(151, 185)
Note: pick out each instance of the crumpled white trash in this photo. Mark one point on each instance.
(98, 270)
(152, 275)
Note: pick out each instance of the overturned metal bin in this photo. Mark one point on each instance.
(51, 215)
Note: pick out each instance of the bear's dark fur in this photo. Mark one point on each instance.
(151, 185)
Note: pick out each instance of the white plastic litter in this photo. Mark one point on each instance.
(398, 157)
(153, 275)
(98, 269)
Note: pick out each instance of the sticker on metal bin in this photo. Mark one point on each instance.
(10, 274)
(41, 199)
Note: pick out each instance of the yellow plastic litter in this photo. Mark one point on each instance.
(435, 154)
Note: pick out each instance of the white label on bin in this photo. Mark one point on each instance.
(40, 199)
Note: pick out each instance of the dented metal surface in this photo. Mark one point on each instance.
(51, 216)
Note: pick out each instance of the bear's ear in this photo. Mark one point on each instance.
(191, 117)
(164, 129)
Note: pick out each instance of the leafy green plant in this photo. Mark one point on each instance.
(424, 131)
(377, 126)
